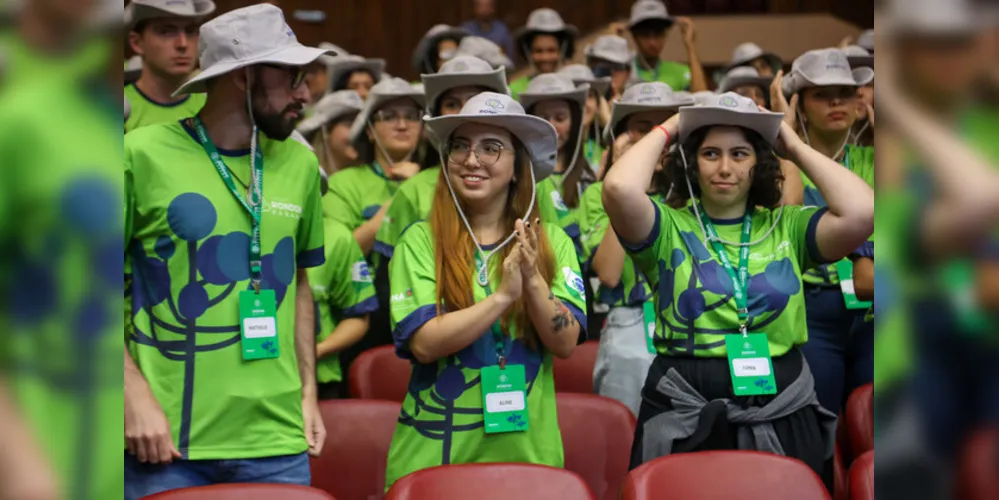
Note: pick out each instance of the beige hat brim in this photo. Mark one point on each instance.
(730, 82)
(296, 55)
(137, 12)
(340, 67)
(435, 85)
(767, 124)
(576, 96)
(798, 82)
(622, 111)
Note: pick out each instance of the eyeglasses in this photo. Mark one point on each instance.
(487, 154)
(297, 73)
(385, 115)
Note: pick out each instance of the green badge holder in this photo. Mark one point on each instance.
(649, 323)
(258, 324)
(504, 399)
(750, 364)
(844, 269)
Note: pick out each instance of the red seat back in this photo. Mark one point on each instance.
(862, 477)
(860, 420)
(490, 482)
(724, 475)
(379, 373)
(977, 477)
(596, 434)
(576, 373)
(240, 491)
(841, 480)
(358, 435)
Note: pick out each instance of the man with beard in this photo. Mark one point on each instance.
(165, 34)
(220, 363)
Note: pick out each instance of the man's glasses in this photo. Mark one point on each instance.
(487, 154)
(297, 73)
(393, 116)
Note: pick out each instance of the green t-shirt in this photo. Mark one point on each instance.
(22, 62)
(674, 74)
(189, 241)
(441, 418)
(860, 161)
(519, 86)
(893, 342)
(633, 289)
(552, 208)
(342, 288)
(145, 111)
(60, 192)
(356, 194)
(410, 204)
(694, 295)
(594, 152)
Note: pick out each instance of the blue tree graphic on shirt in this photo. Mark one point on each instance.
(768, 293)
(436, 393)
(218, 261)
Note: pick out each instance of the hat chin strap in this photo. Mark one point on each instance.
(804, 131)
(697, 213)
(482, 273)
(381, 148)
(253, 137)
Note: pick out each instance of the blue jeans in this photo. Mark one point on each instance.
(840, 348)
(146, 479)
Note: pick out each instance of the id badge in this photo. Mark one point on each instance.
(504, 399)
(649, 321)
(258, 324)
(750, 364)
(844, 269)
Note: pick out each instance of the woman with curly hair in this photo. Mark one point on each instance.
(730, 315)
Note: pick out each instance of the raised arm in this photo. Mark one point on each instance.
(629, 208)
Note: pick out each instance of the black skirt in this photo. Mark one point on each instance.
(799, 433)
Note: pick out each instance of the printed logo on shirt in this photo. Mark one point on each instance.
(558, 202)
(282, 209)
(360, 273)
(399, 297)
(574, 282)
(783, 250)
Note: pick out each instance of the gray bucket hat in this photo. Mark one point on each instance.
(252, 35)
(581, 73)
(331, 107)
(348, 64)
(866, 40)
(336, 49)
(459, 72)
(546, 21)
(744, 75)
(610, 48)
(649, 10)
(733, 110)
(143, 10)
(937, 17)
(484, 49)
(490, 108)
(384, 91)
(824, 68)
(551, 86)
(421, 56)
(858, 57)
(744, 53)
(645, 96)
(702, 97)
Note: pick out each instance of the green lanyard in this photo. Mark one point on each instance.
(496, 330)
(738, 280)
(253, 206)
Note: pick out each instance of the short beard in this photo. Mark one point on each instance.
(273, 125)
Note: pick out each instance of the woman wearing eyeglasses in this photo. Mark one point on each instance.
(727, 263)
(483, 295)
(385, 135)
(824, 106)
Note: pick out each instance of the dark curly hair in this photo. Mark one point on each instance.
(767, 176)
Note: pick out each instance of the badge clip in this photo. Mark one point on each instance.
(502, 362)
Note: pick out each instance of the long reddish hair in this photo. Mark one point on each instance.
(454, 250)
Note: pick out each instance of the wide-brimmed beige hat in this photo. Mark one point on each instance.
(866, 40)
(348, 64)
(484, 49)
(824, 68)
(582, 74)
(460, 72)
(546, 21)
(744, 75)
(551, 86)
(143, 10)
(252, 35)
(730, 109)
(645, 96)
(331, 107)
(389, 89)
(858, 57)
(937, 17)
(610, 48)
(649, 10)
(434, 35)
(744, 53)
(500, 110)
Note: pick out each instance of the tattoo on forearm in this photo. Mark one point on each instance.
(563, 318)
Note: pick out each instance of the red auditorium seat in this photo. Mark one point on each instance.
(576, 373)
(724, 475)
(358, 435)
(841, 481)
(243, 491)
(491, 482)
(860, 420)
(978, 470)
(862, 477)
(596, 434)
(379, 373)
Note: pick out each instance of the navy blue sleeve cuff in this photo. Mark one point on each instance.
(581, 318)
(810, 239)
(311, 258)
(653, 235)
(384, 249)
(864, 251)
(409, 326)
(366, 306)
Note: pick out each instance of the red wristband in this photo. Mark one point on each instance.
(663, 128)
